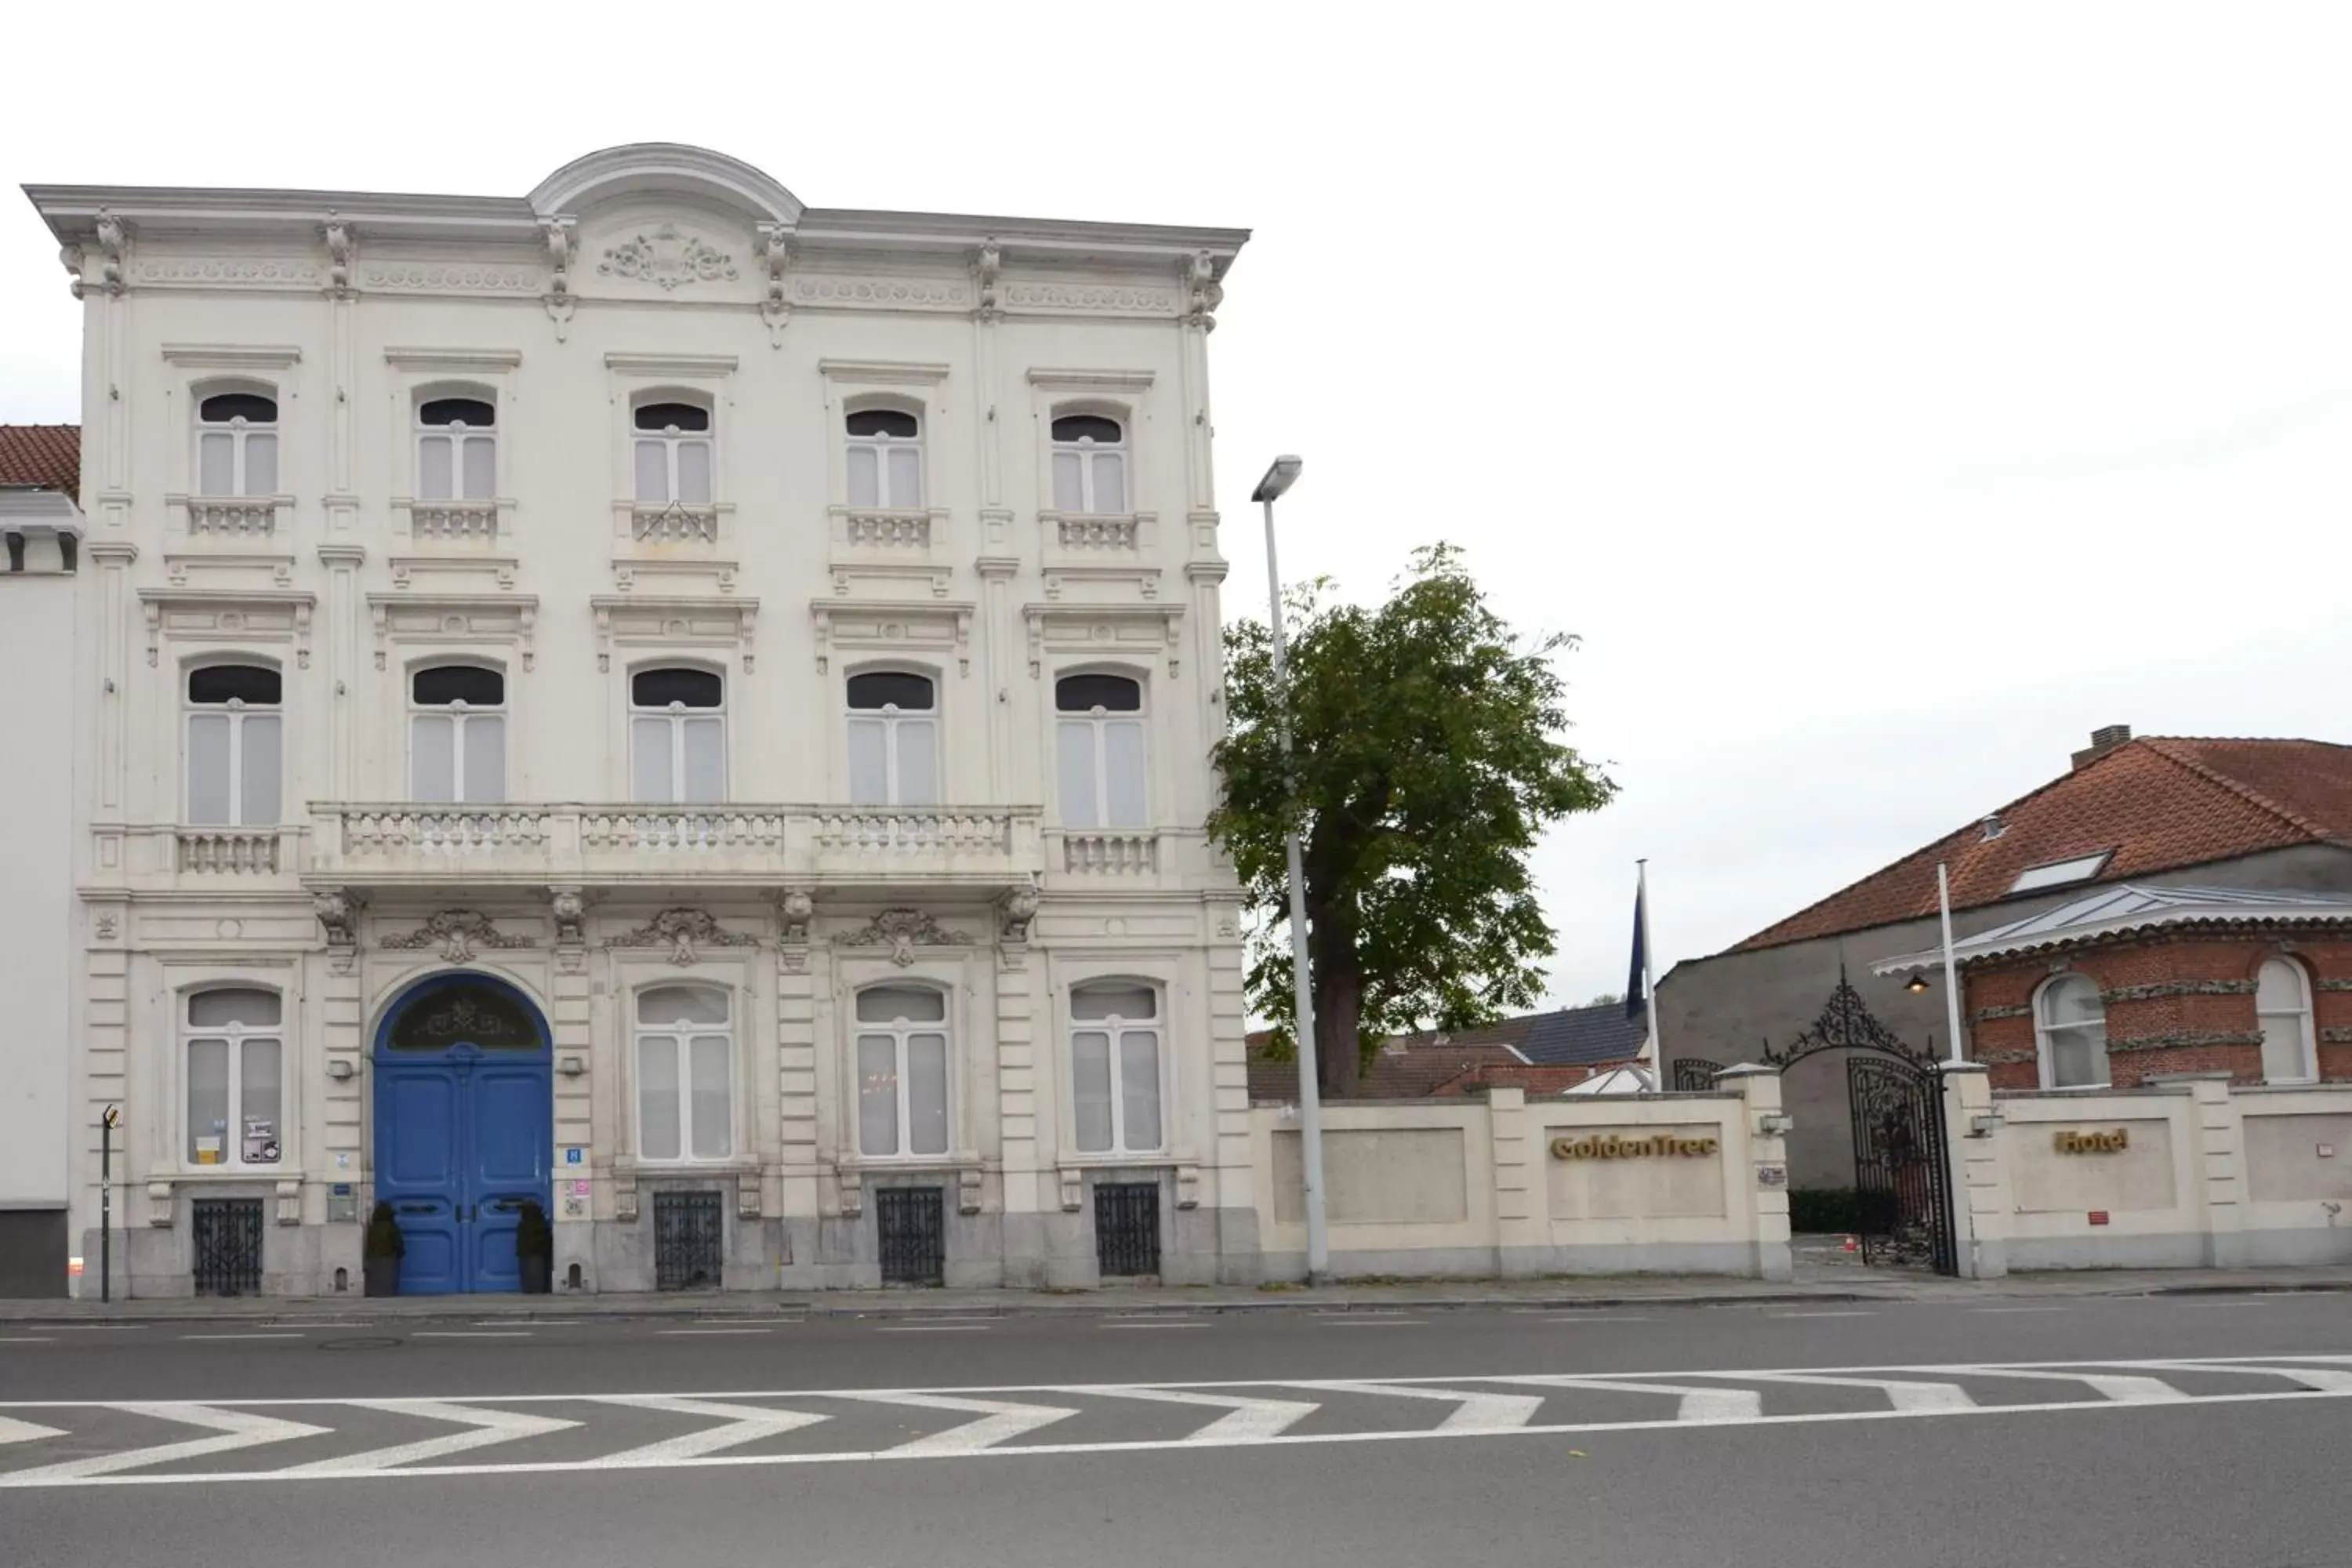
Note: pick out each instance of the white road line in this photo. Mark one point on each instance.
(933, 1327)
(742, 1426)
(1148, 1323)
(488, 1427)
(26, 1340)
(25, 1432)
(2121, 1387)
(1904, 1394)
(291, 1336)
(1854, 1314)
(1249, 1419)
(998, 1421)
(2323, 1381)
(2018, 1309)
(1595, 1317)
(1358, 1322)
(237, 1429)
(710, 1330)
(471, 1334)
(1697, 1403)
(1476, 1412)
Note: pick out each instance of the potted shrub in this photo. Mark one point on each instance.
(534, 1248)
(383, 1252)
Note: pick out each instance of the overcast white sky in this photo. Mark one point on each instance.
(1887, 394)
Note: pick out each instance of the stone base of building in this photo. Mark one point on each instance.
(1735, 1260)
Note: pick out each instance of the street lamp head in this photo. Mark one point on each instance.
(1916, 985)
(1279, 479)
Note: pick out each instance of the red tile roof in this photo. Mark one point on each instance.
(2158, 804)
(47, 457)
(1538, 1079)
(1410, 1073)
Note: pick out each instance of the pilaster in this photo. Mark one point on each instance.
(1227, 1046)
(1520, 1218)
(1980, 1183)
(1765, 1175)
(2220, 1166)
(801, 1157)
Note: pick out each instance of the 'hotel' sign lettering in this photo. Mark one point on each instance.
(1616, 1148)
(2113, 1142)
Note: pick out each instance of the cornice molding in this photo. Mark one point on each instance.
(453, 361)
(882, 372)
(1055, 380)
(232, 356)
(671, 364)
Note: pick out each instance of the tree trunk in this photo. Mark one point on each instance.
(1338, 981)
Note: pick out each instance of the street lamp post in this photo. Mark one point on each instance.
(1279, 479)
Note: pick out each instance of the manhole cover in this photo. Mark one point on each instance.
(364, 1343)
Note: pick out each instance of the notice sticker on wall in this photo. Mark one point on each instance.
(2098, 1217)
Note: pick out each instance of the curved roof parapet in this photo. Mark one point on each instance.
(665, 166)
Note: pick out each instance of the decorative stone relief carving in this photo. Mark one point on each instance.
(568, 905)
(680, 930)
(987, 272)
(670, 258)
(1015, 911)
(72, 258)
(795, 910)
(1086, 297)
(254, 271)
(112, 238)
(776, 254)
(559, 232)
(1203, 292)
(902, 931)
(457, 933)
(879, 292)
(339, 915)
(449, 278)
(338, 236)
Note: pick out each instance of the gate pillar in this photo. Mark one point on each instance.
(1767, 1177)
(1979, 1185)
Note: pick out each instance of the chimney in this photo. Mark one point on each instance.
(2103, 739)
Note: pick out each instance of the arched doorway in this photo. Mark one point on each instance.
(465, 1128)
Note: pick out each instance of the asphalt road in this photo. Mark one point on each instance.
(2143, 1431)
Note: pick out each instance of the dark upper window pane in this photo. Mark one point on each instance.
(660, 688)
(478, 1016)
(249, 406)
(661, 415)
(891, 688)
(446, 683)
(1085, 693)
(250, 683)
(883, 422)
(470, 412)
(1085, 427)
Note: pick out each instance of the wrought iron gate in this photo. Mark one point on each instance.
(1902, 1186)
(1693, 1075)
(910, 1223)
(690, 1240)
(227, 1236)
(1126, 1227)
(1894, 1099)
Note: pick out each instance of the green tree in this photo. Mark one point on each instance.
(1428, 759)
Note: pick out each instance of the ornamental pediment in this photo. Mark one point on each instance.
(666, 252)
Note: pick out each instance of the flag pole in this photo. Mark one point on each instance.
(1649, 979)
(1951, 969)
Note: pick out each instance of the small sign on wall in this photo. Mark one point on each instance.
(2114, 1142)
(2098, 1217)
(575, 1156)
(1771, 1175)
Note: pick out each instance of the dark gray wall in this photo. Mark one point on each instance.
(1724, 1008)
(32, 1253)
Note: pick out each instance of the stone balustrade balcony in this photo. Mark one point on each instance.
(364, 844)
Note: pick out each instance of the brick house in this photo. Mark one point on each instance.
(2247, 815)
(2135, 983)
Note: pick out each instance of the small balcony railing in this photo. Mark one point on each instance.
(232, 519)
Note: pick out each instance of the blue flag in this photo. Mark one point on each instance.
(1636, 999)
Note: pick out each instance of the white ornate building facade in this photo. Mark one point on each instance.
(658, 702)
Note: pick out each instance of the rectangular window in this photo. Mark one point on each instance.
(1091, 1090)
(657, 1096)
(902, 1072)
(877, 1095)
(208, 1103)
(216, 464)
(685, 1073)
(233, 768)
(926, 1094)
(1102, 773)
(236, 1085)
(209, 768)
(1115, 1068)
(714, 1135)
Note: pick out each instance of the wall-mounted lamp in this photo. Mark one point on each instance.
(572, 1067)
(340, 1071)
(1916, 985)
(1985, 1123)
(1774, 1124)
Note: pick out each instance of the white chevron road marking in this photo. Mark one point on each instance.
(1246, 1420)
(2320, 1379)
(742, 1424)
(237, 1429)
(999, 1419)
(23, 1431)
(2121, 1387)
(1696, 1404)
(1477, 1412)
(488, 1427)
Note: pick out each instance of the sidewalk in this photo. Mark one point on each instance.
(1824, 1284)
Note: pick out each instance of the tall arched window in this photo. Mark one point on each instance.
(1089, 464)
(232, 1044)
(902, 1070)
(685, 1073)
(1100, 740)
(677, 736)
(2071, 1024)
(457, 734)
(894, 739)
(2283, 1007)
(886, 458)
(1115, 1029)
(234, 744)
(236, 445)
(673, 453)
(457, 449)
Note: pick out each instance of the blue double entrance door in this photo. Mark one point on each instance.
(464, 1130)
